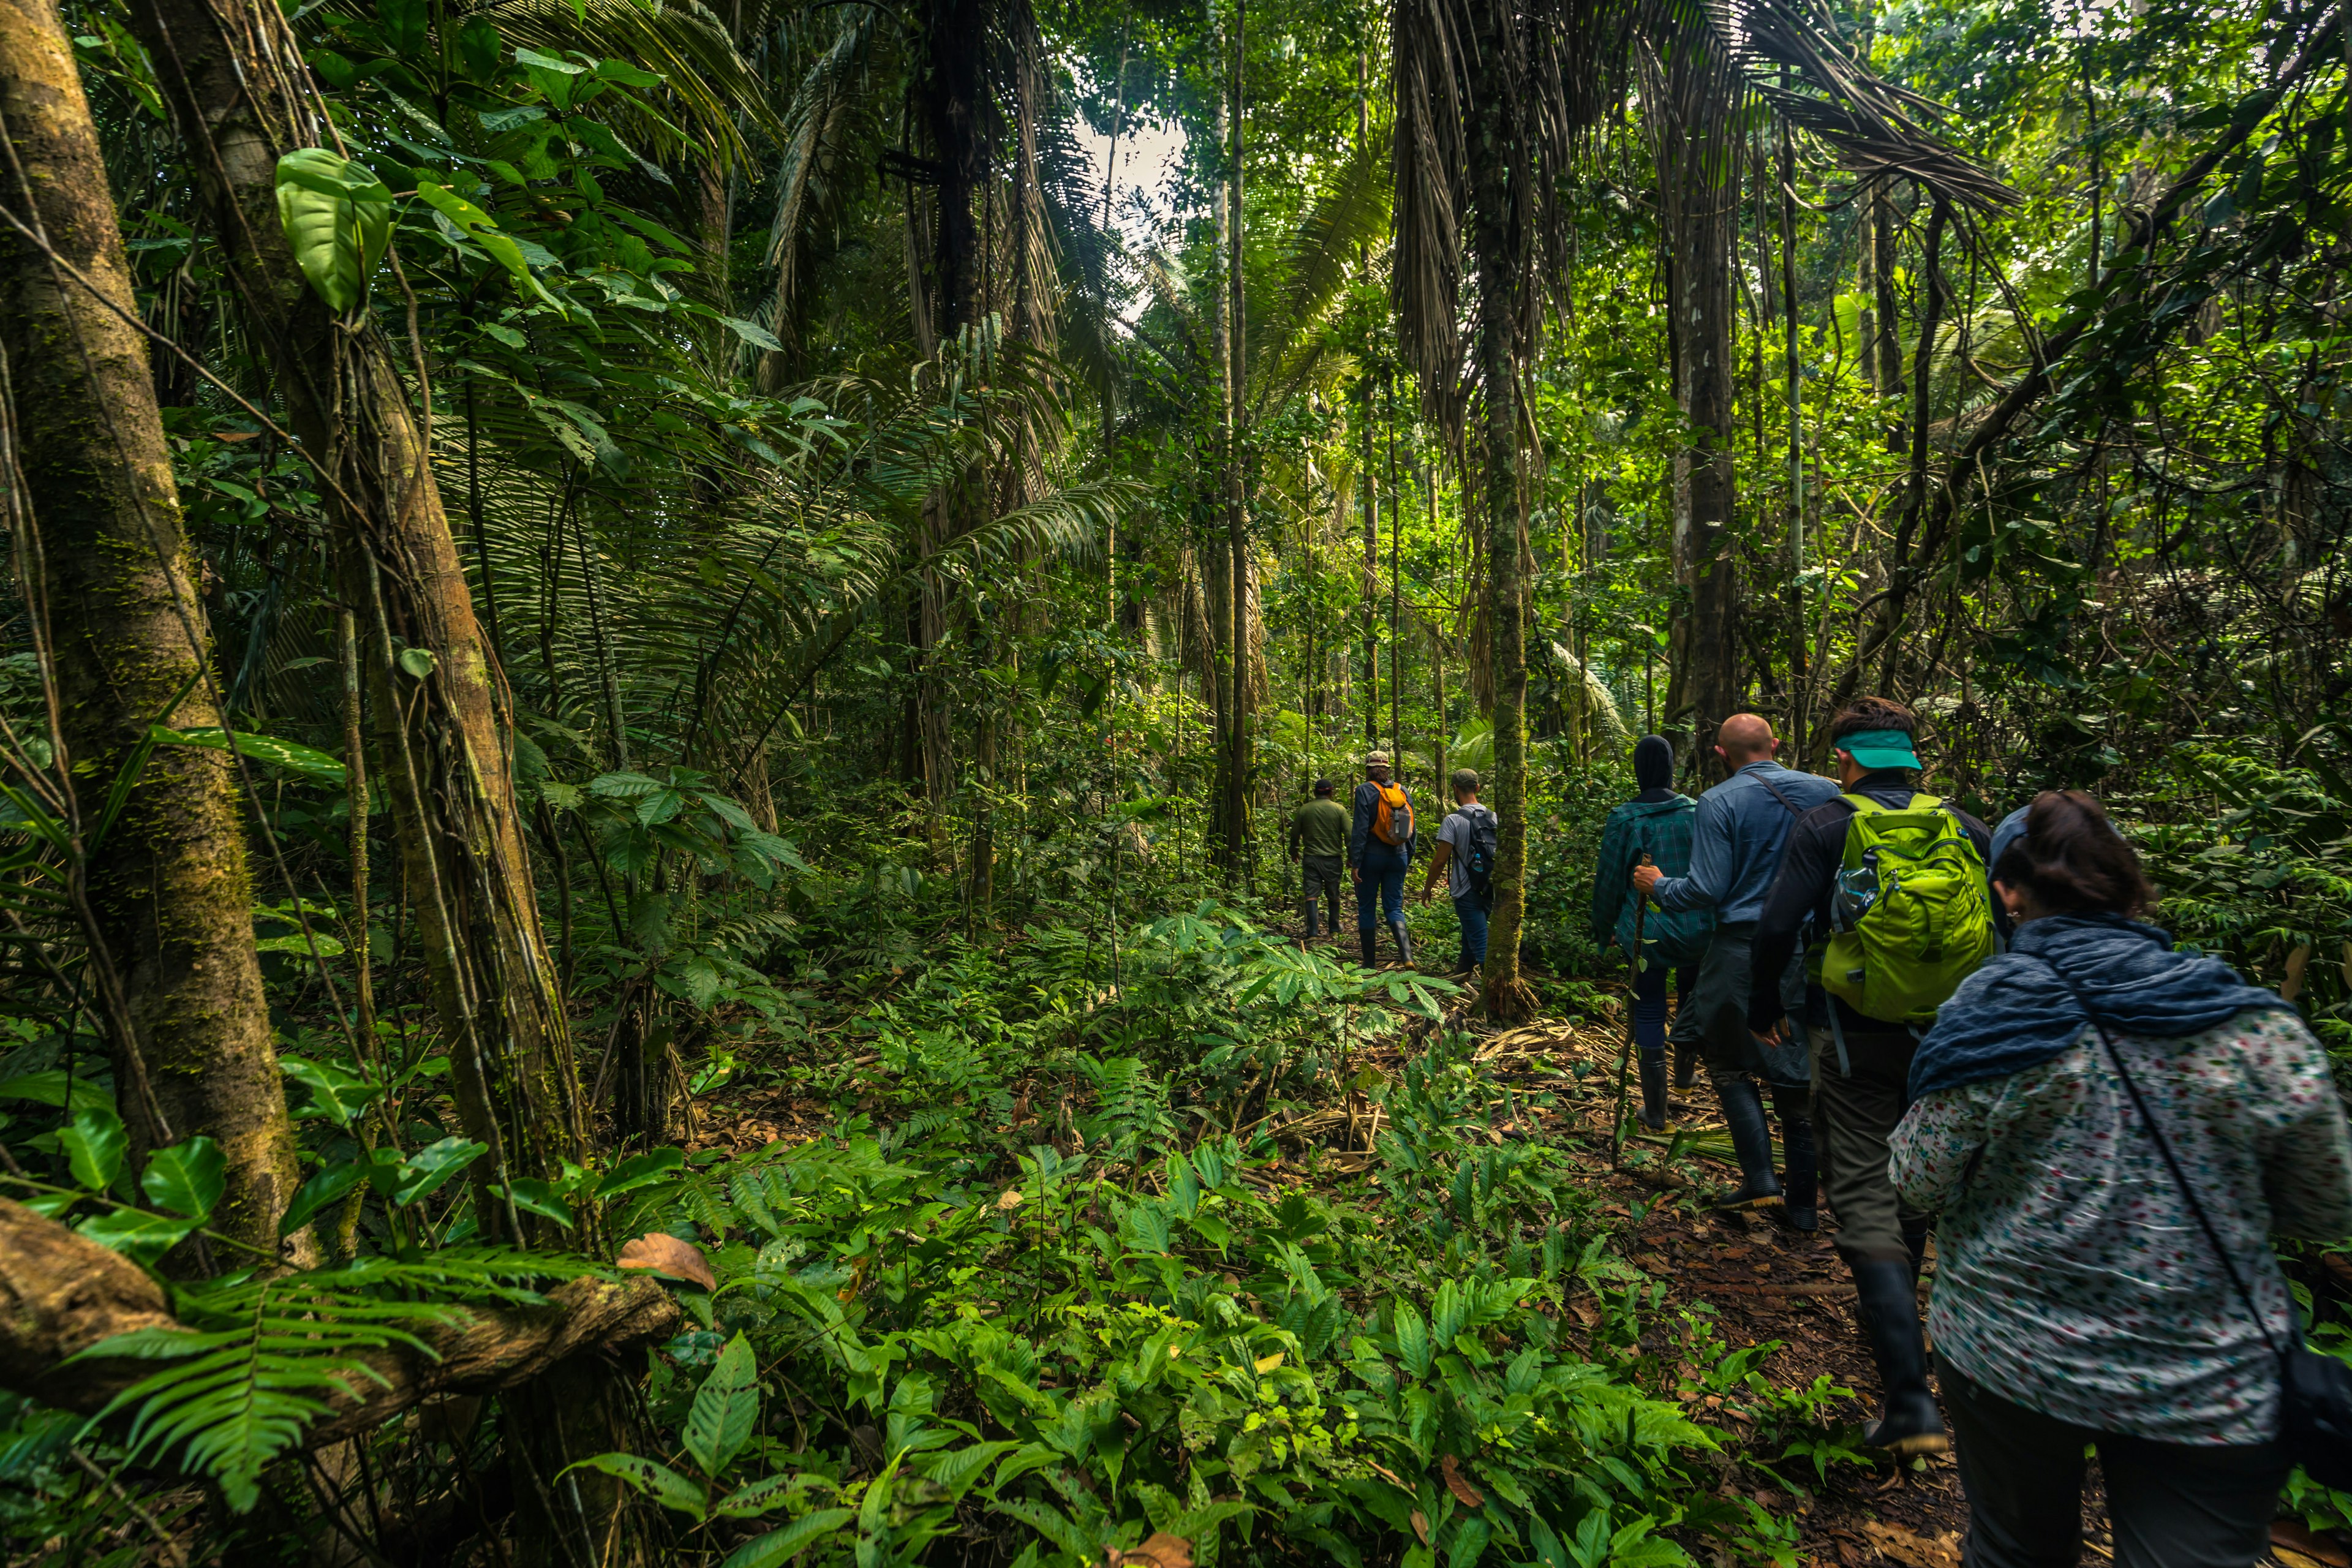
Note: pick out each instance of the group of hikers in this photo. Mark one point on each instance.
(1963, 1032)
(1968, 1032)
(1372, 844)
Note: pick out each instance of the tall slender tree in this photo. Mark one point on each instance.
(165, 892)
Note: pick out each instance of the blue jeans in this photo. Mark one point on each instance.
(1471, 911)
(1383, 867)
(1650, 1007)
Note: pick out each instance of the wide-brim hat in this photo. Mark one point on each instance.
(1376, 759)
(1880, 749)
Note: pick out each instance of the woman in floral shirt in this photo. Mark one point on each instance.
(2077, 1302)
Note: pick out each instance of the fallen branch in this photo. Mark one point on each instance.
(62, 1294)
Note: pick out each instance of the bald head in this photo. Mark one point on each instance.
(1744, 738)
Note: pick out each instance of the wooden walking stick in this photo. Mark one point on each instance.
(1625, 1057)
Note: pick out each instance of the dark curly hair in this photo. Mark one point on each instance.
(1873, 714)
(2072, 859)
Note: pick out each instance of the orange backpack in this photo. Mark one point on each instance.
(1392, 818)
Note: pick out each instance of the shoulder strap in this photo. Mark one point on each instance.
(1863, 805)
(1783, 799)
(2171, 1162)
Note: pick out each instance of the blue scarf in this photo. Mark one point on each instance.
(2015, 1013)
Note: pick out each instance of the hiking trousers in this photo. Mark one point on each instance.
(1854, 1114)
(1713, 1013)
(2171, 1505)
(1318, 883)
(1380, 884)
(1471, 911)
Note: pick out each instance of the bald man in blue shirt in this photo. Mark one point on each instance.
(1735, 842)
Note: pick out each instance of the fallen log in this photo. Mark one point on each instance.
(61, 1294)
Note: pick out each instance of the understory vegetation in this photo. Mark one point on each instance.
(655, 658)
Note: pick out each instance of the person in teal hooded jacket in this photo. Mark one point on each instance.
(1656, 823)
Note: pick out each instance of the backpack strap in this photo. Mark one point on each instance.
(1784, 800)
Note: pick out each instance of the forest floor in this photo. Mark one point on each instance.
(1757, 1282)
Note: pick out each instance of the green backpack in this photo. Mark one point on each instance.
(1911, 916)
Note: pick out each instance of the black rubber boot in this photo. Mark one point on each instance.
(1309, 910)
(1751, 1140)
(1654, 1093)
(1686, 1067)
(1403, 942)
(1364, 941)
(1886, 1299)
(1800, 1182)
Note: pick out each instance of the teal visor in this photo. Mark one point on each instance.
(1880, 749)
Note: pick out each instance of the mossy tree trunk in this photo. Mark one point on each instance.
(1697, 173)
(228, 71)
(102, 552)
(233, 76)
(1500, 248)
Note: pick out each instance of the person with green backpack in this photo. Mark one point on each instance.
(1886, 887)
(1653, 829)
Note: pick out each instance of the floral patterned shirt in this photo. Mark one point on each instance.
(2072, 1279)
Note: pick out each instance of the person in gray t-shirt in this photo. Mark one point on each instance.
(1455, 836)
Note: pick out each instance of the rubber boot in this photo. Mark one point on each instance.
(1309, 910)
(1800, 1182)
(1654, 1093)
(1886, 1301)
(1915, 1239)
(1403, 943)
(1364, 941)
(1752, 1139)
(1686, 1066)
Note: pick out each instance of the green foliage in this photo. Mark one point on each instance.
(253, 1361)
(337, 215)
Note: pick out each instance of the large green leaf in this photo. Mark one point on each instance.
(782, 1545)
(337, 218)
(318, 766)
(95, 1144)
(187, 1178)
(725, 1409)
(426, 1169)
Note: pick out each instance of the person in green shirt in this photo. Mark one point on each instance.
(1319, 840)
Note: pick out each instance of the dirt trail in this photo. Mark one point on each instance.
(1767, 1283)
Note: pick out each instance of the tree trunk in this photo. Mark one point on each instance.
(1497, 150)
(1239, 757)
(169, 899)
(1369, 487)
(1699, 175)
(225, 68)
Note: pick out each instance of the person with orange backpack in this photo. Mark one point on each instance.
(1380, 848)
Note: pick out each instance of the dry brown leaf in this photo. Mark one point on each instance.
(1910, 1547)
(1420, 1526)
(1459, 1484)
(2291, 1534)
(661, 1253)
(1159, 1550)
(1010, 1198)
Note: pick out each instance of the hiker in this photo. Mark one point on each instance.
(1737, 837)
(1655, 824)
(1891, 884)
(1317, 841)
(1380, 848)
(1466, 858)
(2089, 1290)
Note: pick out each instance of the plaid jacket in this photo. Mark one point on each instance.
(1661, 829)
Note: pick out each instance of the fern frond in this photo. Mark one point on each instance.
(253, 1363)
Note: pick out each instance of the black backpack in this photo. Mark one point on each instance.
(1479, 856)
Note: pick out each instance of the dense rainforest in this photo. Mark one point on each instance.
(656, 656)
